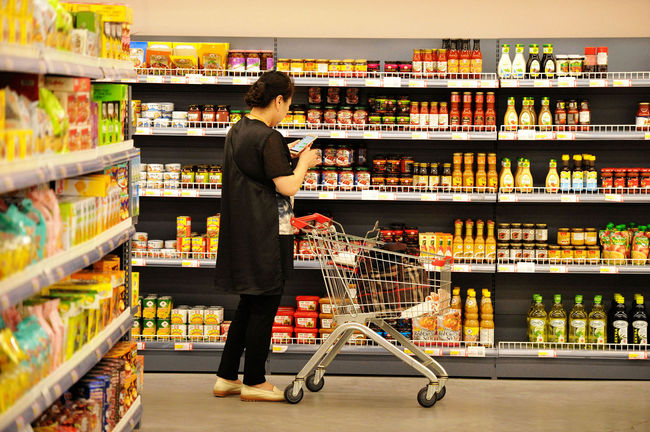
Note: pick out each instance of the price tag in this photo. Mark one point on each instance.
(566, 82)
(565, 135)
(175, 79)
(392, 82)
(506, 268)
(525, 267)
(507, 136)
(369, 195)
(476, 351)
(372, 134)
(597, 83)
(171, 193)
(608, 269)
(386, 196)
(544, 136)
(183, 346)
(155, 79)
(508, 198)
(488, 84)
(189, 193)
(614, 197)
(209, 79)
(509, 83)
(558, 269)
(138, 262)
(637, 355)
(622, 83)
(408, 351)
(469, 83)
(461, 197)
(338, 134)
(75, 375)
(327, 195)
(453, 83)
(153, 192)
(144, 131)
(98, 354)
(192, 263)
(241, 81)
(416, 135)
(541, 83)
(461, 268)
(417, 83)
(647, 135)
(429, 197)
(47, 396)
(141, 346)
(436, 352)
(569, 198)
(196, 132)
(458, 352)
(280, 348)
(463, 136)
(337, 82)
(547, 353)
(372, 82)
(194, 78)
(526, 134)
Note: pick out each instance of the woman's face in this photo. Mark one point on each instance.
(281, 107)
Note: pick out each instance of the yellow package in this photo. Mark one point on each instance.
(108, 263)
(135, 288)
(88, 186)
(184, 56)
(213, 56)
(159, 55)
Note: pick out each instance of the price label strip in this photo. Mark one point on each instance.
(175, 79)
(509, 83)
(565, 136)
(567, 82)
(386, 196)
(542, 83)
(327, 195)
(337, 82)
(506, 268)
(338, 134)
(183, 346)
(526, 135)
(196, 132)
(461, 268)
(392, 82)
(462, 136)
(194, 78)
(209, 80)
(488, 84)
(144, 131)
(547, 353)
(241, 81)
(476, 351)
(622, 83)
(525, 267)
(608, 269)
(637, 355)
(508, 198)
(458, 352)
(429, 197)
(371, 135)
(417, 83)
(189, 193)
(569, 198)
(419, 135)
(558, 269)
(614, 197)
(597, 83)
(507, 136)
(155, 79)
(461, 197)
(372, 82)
(193, 263)
(369, 195)
(141, 346)
(279, 349)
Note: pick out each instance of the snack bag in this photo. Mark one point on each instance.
(618, 248)
(185, 56)
(159, 56)
(640, 247)
(213, 56)
(139, 54)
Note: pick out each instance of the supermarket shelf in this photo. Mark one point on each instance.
(600, 195)
(132, 417)
(544, 267)
(561, 133)
(29, 59)
(573, 350)
(50, 270)
(593, 79)
(41, 396)
(24, 173)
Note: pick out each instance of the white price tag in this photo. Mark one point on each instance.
(462, 136)
(189, 193)
(369, 195)
(461, 197)
(196, 132)
(138, 262)
(567, 82)
(183, 346)
(209, 80)
(453, 83)
(192, 263)
(417, 83)
(469, 83)
(175, 79)
(488, 84)
(386, 196)
(506, 268)
(144, 131)
(569, 198)
(337, 82)
(608, 269)
(278, 349)
(547, 353)
(526, 134)
(458, 352)
(153, 192)
(614, 197)
(155, 79)
(597, 83)
(171, 193)
(507, 136)
(429, 197)
(508, 198)
(545, 136)
(194, 78)
(373, 82)
(541, 83)
(338, 134)
(525, 267)
(622, 83)
(327, 195)
(372, 134)
(509, 83)
(436, 352)
(565, 135)
(241, 80)
(461, 268)
(637, 355)
(558, 269)
(476, 351)
(392, 82)
(141, 346)
(417, 135)
(647, 136)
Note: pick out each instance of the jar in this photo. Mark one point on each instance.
(620, 175)
(360, 68)
(591, 236)
(194, 116)
(344, 156)
(393, 164)
(222, 115)
(352, 96)
(314, 96)
(541, 233)
(589, 65)
(391, 66)
(643, 116)
(329, 115)
(267, 60)
(516, 232)
(305, 248)
(312, 179)
(593, 254)
(391, 106)
(333, 96)
(554, 254)
(563, 236)
(379, 164)
(645, 180)
(297, 66)
(411, 236)
(601, 59)
(236, 61)
(344, 117)
(334, 67)
(580, 254)
(567, 255)
(575, 65)
(360, 117)
(528, 252)
(216, 175)
(392, 182)
(406, 165)
(253, 62)
(404, 105)
(406, 181)
(319, 153)
(373, 65)
(208, 116)
(516, 251)
(562, 62)
(299, 118)
(362, 178)
(388, 120)
(541, 252)
(314, 115)
(405, 68)
(235, 116)
(374, 120)
(346, 179)
(322, 67)
(378, 180)
(633, 180)
(503, 232)
(309, 68)
(330, 178)
(403, 122)
(284, 65)
(577, 237)
(607, 179)
(361, 154)
(329, 155)
(528, 233)
(386, 235)
(347, 68)
(503, 251)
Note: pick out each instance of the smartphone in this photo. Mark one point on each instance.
(304, 142)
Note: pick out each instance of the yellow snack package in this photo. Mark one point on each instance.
(213, 56)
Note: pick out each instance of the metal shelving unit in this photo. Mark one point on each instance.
(600, 195)
(132, 418)
(41, 395)
(585, 80)
(562, 133)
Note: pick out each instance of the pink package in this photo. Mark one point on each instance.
(51, 309)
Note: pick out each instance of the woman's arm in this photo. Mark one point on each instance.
(290, 185)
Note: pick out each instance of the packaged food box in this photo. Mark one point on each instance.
(306, 335)
(95, 185)
(148, 327)
(198, 245)
(183, 226)
(180, 315)
(163, 328)
(164, 307)
(196, 316)
(307, 303)
(149, 307)
(284, 317)
(281, 335)
(449, 328)
(136, 328)
(357, 338)
(213, 315)
(306, 319)
(225, 326)
(325, 305)
(327, 321)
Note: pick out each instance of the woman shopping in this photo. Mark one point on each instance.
(255, 254)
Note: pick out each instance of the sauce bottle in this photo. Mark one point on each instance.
(434, 177)
(433, 116)
(453, 60)
(457, 245)
(519, 64)
(477, 60)
(468, 241)
(490, 243)
(552, 178)
(597, 322)
(457, 174)
(533, 65)
(442, 62)
(423, 181)
(424, 115)
(479, 242)
(481, 174)
(443, 116)
(492, 175)
(560, 115)
(577, 178)
(531, 109)
(511, 119)
(466, 116)
(454, 112)
(454, 315)
(639, 327)
(465, 62)
(584, 116)
(417, 62)
(468, 174)
(415, 115)
(545, 119)
(506, 180)
(525, 177)
(525, 116)
(592, 174)
(619, 329)
(446, 178)
(520, 162)
(479, 115)
(572, 116)
(565, 174)
(490, 113)
(505, 65)
(416, 174)
(548, 61)
(487, 320)
(471, 325)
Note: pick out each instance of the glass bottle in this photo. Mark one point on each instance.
(434, 177)
(466, 116)
(481, 174)
(565, 174)
(490, 113)
(443, 116)
(453, 60)
(490, 243)
(545, 119)
(584, 115)
(433, 116)
(525, 116)
(492, 174)
(533, 65)
(479, 115)
(424, 115)
(560, 115)
(479, 242)
(505, 65)
(578, 322)
(619, 328)
(548, 62)
(597, 322)
(552, 178)
(572, 116)
(415, 115)
(454, 112)
(446, 178)
(457, 243)
(557, 321)
(457, 174)
(506, 179)
(519, 64)
(476, 60)
(577, 177)
(465, 60)
(423, 180)
(592, 174)
(639, 319)
(468, 174)
(468, 241)
(511, 119)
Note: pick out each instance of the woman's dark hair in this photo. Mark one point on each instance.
(269, 86)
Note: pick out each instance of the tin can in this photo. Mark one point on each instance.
(225, 326)
(196, 316)
(179, 315)
(167, 176)
(149, 307)
(178, 331)
(164, 307)
(211, 333)
(138, 245)
(184, 246)
(213, 315)
(183, 226)
(214, 222)
(141, 236)
(170, 244)
(155, 244)
(155, 168)
(195, 332)
(213, 247)
(148, 327)
(198, 247)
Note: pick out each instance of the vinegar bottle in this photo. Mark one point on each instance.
(492, 175)
(457, 245)
(639, 322)
(457, 173)
(490, 243)
(533, 65)
(481, 174)
(479, 242)
(468, 241)
(468, 174)
(552, 178)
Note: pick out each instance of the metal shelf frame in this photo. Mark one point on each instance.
(573, 133)
(132, 418)
(588, 80)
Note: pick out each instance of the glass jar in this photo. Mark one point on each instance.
(392, 182)
(360, 117)
(351, 95)
(563, 236)
(235, 116)
(284, 65)
(314, 96)
(379, 164)
(378, 179)
(329, 115)
(528, 252)
(577, 237)
(187, 174)
(591, 236)
(575, 65)
(392, 164)
(374, 120)
(347, 68)
(516, 251)
(267, 60)
(403, 122)
(516, 232)
(334, 68)
(344, 117)
(620, 180)
(541, 252)
(643, 116)
(312, 179)
(562, 62)
(411, 236)
(567, 254)
(299, 118)
(503, 251)
(208, 116)
(541, 233)
(607, 179)
(194, 116)
(373, 65)
(633, 180)
(222, 115)
(503, 232)
(406, 181)
(406, 165)
(554, 254)
(330, 178)
(344, 156)
(360, 68)
(528, 232)
(362, 178)
(314, 115)
(405, 68)
(645, 180)
(309, 68)
(202, 176)
(297, 66)
(593, 254)
(333, 96)
(329, 155)
(391, 67)
(388, 120)
(404, 105)
(346, 179)
(322, 67)
(580, 254)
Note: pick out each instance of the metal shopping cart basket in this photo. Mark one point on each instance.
(368, 285)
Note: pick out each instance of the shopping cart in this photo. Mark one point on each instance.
(367, 284)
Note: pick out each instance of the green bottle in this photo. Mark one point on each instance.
(598, 322)
(530, 310)
(578, 322)
(557, 321)
(537, 323)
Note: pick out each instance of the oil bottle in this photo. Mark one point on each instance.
(557, 321)
(578, 322)
(619, 322)
(639, 327)
(597, 322)
(537, 323)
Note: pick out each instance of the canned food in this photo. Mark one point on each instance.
(179, 123)
(183, 226)
(155, 168)
(195, 332)
(164, 307)
(155, 176)
(166, 106)
(141, 236)
(168, 175)
(184, 244)
(173, 168)
(178, 331)
(170, 244)
(143, 122)
(169, 253)
(214, 222)
(154, 244)
(195, 316)
(213, 315)
(503, 232)
(161, 123)
(171, 184)
(139, 245)
(179, 315)
(150, 114)
(154, 184)
(212, 333)
(146, 106)
(179, 115)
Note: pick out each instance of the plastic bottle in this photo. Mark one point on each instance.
(492, 174)
(490, 243)
(506, 179)
(597, 322)
(525, 116)
(577, 177)
(578, 322)
(557, 321)
(471, 327)
(479, 242)
(468, 173)
(505, 65)
(468, 241)
(592, 174)
(552, 178)
(487, 320)
(537, 323)
(545, 119)
(533, 302)
(565, 174)
(525, 178)
(639, 319)
(481, 174)
(519, 63)
(510, 119)
(548, 61)
(457, 173)
(457, 244)
(533, 65)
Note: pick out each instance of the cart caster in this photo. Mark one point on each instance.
(422, 398)
(441, 394)
(312, 386)
(290, 397)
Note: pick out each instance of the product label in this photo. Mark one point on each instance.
(565, 181)
(546, 119)
(585, 117)
(597, 331)
(549, 67)
(578, 181)
(579, 330)
(487, 336)
(620, 332)
(557, 330)
(526, 119)
(471, 334)
(537, 330)
(433, 120)
(640, 329)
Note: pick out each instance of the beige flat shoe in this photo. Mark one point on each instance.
(226, 388)
(252, 394)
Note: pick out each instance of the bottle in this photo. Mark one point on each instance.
(531, 109)
(584, 115)
(537, 323)
(416, 174)
(525, 116)
(490, 113)
(487, 320)
(557, 321)
(423, 178)
(481, 174)
(565, 174)
(597, 322)
(476, 66)
(577, 182)
(592, 174)
(511, 119)
(466, 116)
(548, 62)
(442, 59)
(533, 65)
(434, 178)
(519, 64)
(479, 115)
(525, 178)
(479, 242)
(468, 241)
(443, 117)
(433, 116)
(578, 322)
(465, 60)
(454, 112)
(446, 178)
(506, 180)
(552, 178)
(415, 115)
(572, 116)
(457, 247)
(457, 173)
(471, 326)
(545, 120)
(424, 115)
(453, 60)
(492, 175)
(619, 322)
(639, 319)
(560, 115)
(490, 243)
(533, 302)
(417, 62)
(518, 172)
(468, 174)
(505, 65)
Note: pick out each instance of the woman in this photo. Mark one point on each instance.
(256, 238)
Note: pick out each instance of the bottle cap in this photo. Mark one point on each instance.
(590, 50)
(557, 298)
(578, 299)
(639, 299)
(598, 299)
(602, 49)
(565, 157)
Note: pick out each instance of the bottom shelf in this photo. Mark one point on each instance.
(132, 418)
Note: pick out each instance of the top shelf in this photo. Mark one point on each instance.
(30, 59)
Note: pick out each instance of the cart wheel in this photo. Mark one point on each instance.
(288, 394)
(441, 394)
(422, 398)
(312, 386)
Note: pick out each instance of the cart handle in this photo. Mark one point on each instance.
(302, 222)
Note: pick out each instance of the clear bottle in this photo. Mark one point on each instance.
(552, 178)
(510, 119)
(537, 323)
(578, 322)
(591, 174)
(471, 327)
(557, 321)
(433, 116)
(639, 319)
(487, 320)
(577, 177)
(457, 243)
(565, 174)
(479, 242)
(519, 63)
(506, 179)
(597, 322)
(619, 329)
(505, 65)
(533, 302)
(468, 241)
(476, 60)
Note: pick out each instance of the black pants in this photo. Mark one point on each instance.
(250, 330)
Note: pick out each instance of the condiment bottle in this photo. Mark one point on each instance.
(457, 174)
(505, 65)
(531, 109)
(525, 116)
(465, 62)
(520, 162)
(417, 62)
(457, 244)
(477, 60)
(533, 64)
(490, 113)
(479, 115)
(429, 63)
(565, 174)
(552, 178)
(453, 60)
(486, 330)
(506, 180)
(511, 119)
(466, 116)
(415, 115)
(454, 112)
(592, 174)
(548, 61)
(519, 64)
(416, 174)
(471, 325)
(446, 178)
(589, 65)
(490, 242)
(424, 115)
(481, 174)
(423, 180)
(577, 183)
(433, 116)
(434, 177)
(443, 116)
(545, 119)
(560, 115)
(442, 62)
(492, 175)
(525, 177)
(601, 59)
(572, 116)
(584, 116)
(468, 174)
(479, 242)
(468, 241)
(639, 322)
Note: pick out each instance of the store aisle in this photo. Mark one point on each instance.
(184, 402)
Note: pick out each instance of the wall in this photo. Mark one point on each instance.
(393, 18)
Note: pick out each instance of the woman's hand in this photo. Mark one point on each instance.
(309, 156)
(291, 145)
